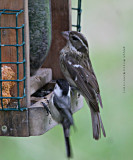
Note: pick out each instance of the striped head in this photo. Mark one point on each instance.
(77, 41)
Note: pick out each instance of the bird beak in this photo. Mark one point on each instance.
(66, 34)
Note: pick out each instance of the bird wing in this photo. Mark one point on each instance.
(93, 82)
(84, 79)
(90, 78)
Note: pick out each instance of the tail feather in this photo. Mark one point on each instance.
(97, 125)
(100, 100)
(67, 142)
(103, 130)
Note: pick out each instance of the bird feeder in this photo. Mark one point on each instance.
(21, 110)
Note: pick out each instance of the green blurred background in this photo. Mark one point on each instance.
(108, 26)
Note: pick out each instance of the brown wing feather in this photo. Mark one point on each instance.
(91, 79)
(83, 84)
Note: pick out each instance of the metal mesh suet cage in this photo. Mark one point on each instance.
(16, 100)
(79, 11)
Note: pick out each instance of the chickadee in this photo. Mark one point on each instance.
(60, 107)
(77, 69)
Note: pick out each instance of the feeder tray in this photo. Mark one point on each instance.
(21, 110)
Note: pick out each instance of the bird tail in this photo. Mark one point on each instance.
(67, 142)
(97, 124)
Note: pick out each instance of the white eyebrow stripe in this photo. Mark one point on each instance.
(81, 41)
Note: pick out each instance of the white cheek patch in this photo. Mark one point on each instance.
(57, 90)
(69, 92)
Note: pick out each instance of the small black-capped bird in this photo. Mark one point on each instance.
(77, 69)
(60, 107)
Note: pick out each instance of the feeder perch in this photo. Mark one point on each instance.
(21, 96)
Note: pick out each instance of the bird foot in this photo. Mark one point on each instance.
(46, 108)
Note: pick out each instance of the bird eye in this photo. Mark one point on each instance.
(74, 38)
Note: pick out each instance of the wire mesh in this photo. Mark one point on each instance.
(17, 98)
(79, 11)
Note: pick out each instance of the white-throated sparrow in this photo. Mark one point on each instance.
(77, 69)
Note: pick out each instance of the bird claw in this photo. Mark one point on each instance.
(46, 108)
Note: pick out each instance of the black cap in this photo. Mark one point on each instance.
(64, 85)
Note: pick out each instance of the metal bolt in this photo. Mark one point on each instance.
(4, 128)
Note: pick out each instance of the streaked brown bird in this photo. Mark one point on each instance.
(77, 69)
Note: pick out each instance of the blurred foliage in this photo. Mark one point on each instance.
(108, 27)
